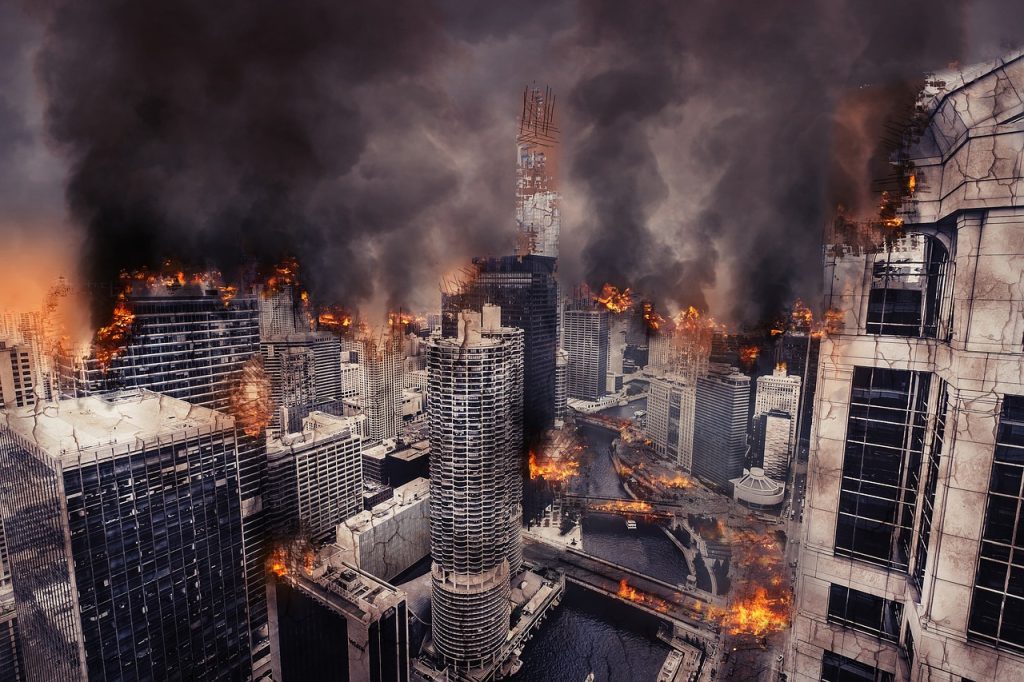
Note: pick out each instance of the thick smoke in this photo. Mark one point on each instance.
(705, 143)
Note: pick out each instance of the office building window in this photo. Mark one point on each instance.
(931, 473)
(865, 612)
(907, 288)
(884, 442)
(836, 668)
(997, 607)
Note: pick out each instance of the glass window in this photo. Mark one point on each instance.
(837, 668)
(906, 288)
(997, 606)
(865, 612)
(878, 495)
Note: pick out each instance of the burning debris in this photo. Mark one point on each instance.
(652, 319)
(624, 506)
(284, 274)
(614, 300)
(335, 319)
(627, 591)
(749, 355)
(761, 601)
(251, 403)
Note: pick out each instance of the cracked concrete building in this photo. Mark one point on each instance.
(125, 518)
(475, 385)
(914, 532)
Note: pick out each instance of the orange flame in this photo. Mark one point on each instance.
(250, 401)
(627, 591)
(335, 319)
(283, 274)
(759, 614)
(552, 470)
(678, 481)
(110, 340)
(634, 506)
(400, 319)
(614, 300)
(652, 318)
(277, 563)
(749, 355)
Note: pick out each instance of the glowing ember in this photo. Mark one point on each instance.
(627, 591)
(227, 294)
(278, 562)
(552, 470)
(912, 184)
(110, 340)
(749, 355)
(614, 300)
(250, 402)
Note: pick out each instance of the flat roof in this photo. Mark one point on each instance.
(121, 419)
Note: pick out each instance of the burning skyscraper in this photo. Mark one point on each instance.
(537, 211)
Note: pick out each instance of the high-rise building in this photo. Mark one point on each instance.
(340, 623)
(315, 478)
(473, 392)
(305, 373)
(800, 351)
(125, 516)
(351, 380)
(671, 410)
(561, 386)
(537, 212)
(720, 425)
(11, 665)
(278, 314)
(17, 375)
(585, 338)
(773, 443)
(780, 392)
(525, 289)
(381, 362)
(909, 562)
(185, 342)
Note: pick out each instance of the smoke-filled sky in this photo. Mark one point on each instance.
(705, 143)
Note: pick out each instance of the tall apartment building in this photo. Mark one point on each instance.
(561, 386)
(315, 476)
(18, 375)
(585, 339)
(671, 411)
(185, 342)
(914, 511)
(525, 289)
(340, 623)
(473, 391)
(125, 520)
(780, 392)
(381, 361)
(720, 425)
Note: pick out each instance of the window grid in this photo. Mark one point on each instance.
(865, 612)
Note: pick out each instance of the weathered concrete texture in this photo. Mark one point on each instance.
(968, 166)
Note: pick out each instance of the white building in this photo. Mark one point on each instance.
(381, 362)
(779, 391)
(671, 408)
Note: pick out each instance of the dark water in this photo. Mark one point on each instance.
(590, 633)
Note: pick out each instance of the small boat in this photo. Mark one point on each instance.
(630, 524)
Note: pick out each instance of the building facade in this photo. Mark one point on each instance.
(18, 375)
(720, 425)
(473, 389)
(314, 477)
(585, 339)
(381, 361)
(124, 516)
(914, 498)
(779, 391)
(671, 410)
(773, 444)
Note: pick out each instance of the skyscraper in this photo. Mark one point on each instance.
(11, 665)
(17, 375)
(800, 351)
(315, 478)
(561, 386)
(779, 392)
(720, 425)
(381, 360)
(124, 516)
(671, 410)
(473, 390)
(525, 289)
(585, 338)
(186, 341)
(305, 373)
(773, 443)
(913, 532)
(538, 215)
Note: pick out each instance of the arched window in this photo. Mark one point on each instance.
(907, 284)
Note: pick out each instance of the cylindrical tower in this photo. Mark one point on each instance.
(475, 402)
